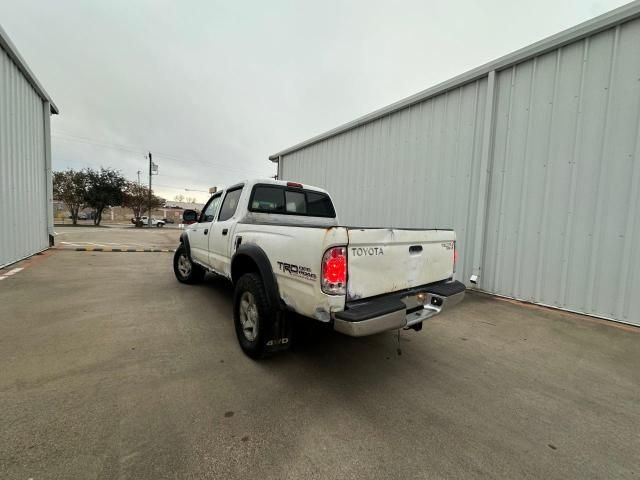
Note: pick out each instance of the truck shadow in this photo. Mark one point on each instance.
(314, 341)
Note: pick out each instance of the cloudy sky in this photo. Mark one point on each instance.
(213, 88)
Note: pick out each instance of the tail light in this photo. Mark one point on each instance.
(455, 256)
(334, 271)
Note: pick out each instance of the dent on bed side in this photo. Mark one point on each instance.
(351, 294)
(322, 315)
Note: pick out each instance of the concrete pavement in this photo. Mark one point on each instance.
(112, 369)
(116, 237)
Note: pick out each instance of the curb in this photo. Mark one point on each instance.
(101, 249)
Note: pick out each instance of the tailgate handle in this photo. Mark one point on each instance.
(415, 249)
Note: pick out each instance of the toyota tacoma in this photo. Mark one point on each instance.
(283, 249)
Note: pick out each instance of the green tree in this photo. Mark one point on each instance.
(104, 188)
(136, 197)
(70, 187)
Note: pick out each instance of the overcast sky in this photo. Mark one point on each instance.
(213, 88)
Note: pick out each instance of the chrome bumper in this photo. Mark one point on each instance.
(421, 306)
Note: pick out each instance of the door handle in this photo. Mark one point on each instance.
(206, 230)
(225, 231)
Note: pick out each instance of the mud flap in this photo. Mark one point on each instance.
(280, 336)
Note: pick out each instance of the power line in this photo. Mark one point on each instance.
(178, 187)
(87, 141)
(141, 151)
(169, 186)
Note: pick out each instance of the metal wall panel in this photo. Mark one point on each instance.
(23, 179)
(562, 220)
(563, 215)
(412, 168)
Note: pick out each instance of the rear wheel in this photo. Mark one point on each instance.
(256, 321)
(185, 270)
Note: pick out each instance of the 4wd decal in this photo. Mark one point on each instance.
(297, 270)
(367, 251)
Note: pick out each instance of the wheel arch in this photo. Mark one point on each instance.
(184, 239)
(251, 258)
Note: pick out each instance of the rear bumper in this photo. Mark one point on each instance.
(401, 310)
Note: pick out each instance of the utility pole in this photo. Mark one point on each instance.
(139, 172)
(153, 170)
(150, 174)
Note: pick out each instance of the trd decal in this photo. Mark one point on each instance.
(297, 270)
(367, 251)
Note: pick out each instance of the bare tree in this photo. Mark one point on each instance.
(179, 198)
(190, 199)
(70, 187)
(136, 197)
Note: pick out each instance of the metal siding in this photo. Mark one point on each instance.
(604, 22)
(23, 180)
(413, 168)
(563, 211)
(562, 217)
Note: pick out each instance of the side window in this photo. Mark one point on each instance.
(210, 210)
(229, 205)
(295, 202)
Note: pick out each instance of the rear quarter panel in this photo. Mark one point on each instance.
(295, 255)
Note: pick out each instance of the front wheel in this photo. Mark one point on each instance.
(185, 270)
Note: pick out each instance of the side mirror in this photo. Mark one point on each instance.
(189, 216)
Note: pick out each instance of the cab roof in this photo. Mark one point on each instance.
(271, 181)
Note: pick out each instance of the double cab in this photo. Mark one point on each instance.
(282, 247)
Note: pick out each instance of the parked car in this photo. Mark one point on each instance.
(282, 247)
(168, 220)
(154, 222)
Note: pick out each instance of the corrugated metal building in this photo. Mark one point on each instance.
(532, 159)
(26, 213)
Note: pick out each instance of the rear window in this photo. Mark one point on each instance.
(288, 201)
(319, 205)
(295, 202)
(267, 199)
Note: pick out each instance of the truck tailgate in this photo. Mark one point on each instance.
(385, 260)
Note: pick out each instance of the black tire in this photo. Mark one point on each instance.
(255, 348)
(195, 273)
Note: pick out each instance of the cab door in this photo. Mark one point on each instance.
(199, 234)
(222, 232)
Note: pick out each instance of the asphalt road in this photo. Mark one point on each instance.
(112, 369)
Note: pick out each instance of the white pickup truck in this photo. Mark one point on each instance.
(154, 221)
(281, 246)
